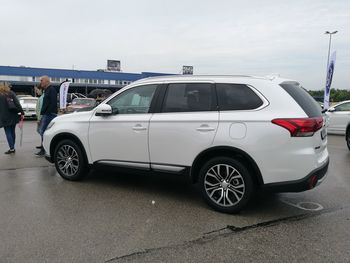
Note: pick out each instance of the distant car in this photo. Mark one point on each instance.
(339, 117)
(72, 96)
(24, 96)
(347, 135)
(100, 94)
(29, 106)
(81, 103)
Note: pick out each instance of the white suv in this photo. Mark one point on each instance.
(231, 134)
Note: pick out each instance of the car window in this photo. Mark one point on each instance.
(303, 98)
(343, 107)
(134, 100)
(237, 97)
(188, 97)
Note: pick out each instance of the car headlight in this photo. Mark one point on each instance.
(50, 125)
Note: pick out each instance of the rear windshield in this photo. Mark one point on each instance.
(303, 98)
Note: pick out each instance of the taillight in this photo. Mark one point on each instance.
(300, 127)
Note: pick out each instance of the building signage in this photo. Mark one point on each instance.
(113, 65)
(187, 70)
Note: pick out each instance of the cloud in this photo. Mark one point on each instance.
(219, 37)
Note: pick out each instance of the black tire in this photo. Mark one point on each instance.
(347, 138)
(70, 160)
(229, 196)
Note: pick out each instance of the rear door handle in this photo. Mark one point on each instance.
(205, 128)
(139, 127)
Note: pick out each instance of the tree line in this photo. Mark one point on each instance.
(336, 95)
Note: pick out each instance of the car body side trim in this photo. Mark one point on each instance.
(144, 166)
(137, 165)
(170, 168)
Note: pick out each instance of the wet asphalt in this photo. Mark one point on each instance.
(115, 217)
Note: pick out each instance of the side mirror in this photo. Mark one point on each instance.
(115, 111)
(331, 109)
(103, 110)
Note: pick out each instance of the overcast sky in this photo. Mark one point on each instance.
(216, 37)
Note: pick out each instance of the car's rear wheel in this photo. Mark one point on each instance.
(226, 184)
(347, 137)
(69, 160)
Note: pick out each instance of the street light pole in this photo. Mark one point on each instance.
(329, 46)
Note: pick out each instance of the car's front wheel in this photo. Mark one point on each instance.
(69, 160)
(347, 137)
(226, 184)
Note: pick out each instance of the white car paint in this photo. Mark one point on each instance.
(338, 117)
(29, 106)
(174, 140)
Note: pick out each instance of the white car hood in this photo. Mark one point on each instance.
(75, 117)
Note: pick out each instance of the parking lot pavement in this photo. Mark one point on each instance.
(123, 217)
(25, 153)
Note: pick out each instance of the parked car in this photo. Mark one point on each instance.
(100, 94)
(232, 135)
(347, 135)
(72, 96)
(24, 96)
(29, 106)
(81, 103)
(339, 116)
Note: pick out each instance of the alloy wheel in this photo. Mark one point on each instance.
(67, 160)
(224, 185)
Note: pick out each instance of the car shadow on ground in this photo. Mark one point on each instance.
(170, 186)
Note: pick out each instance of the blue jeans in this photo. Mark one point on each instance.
(10, 132)
(44, 122)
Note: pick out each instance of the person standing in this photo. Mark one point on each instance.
(49, 108)
(40, 94)
(9, 109)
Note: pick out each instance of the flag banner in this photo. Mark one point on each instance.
(63, 94)
(330, 70)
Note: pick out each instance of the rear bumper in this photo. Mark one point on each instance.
(310, 181)
(30, 114)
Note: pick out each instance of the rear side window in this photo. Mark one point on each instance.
(237, 97)
(303, 98)
(188, 97)
(343, 107)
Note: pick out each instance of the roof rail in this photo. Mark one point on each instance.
(189, 76)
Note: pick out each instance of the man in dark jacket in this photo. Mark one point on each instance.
(48, 109)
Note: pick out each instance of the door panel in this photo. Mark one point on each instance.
(177, 138)
(124, 135)
(186, 125)
(119, 137)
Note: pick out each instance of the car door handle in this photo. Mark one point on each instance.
(139, 128)
(205, 128)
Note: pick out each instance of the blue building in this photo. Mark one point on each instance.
(25, 79)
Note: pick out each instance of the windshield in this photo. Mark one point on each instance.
(28, 101)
